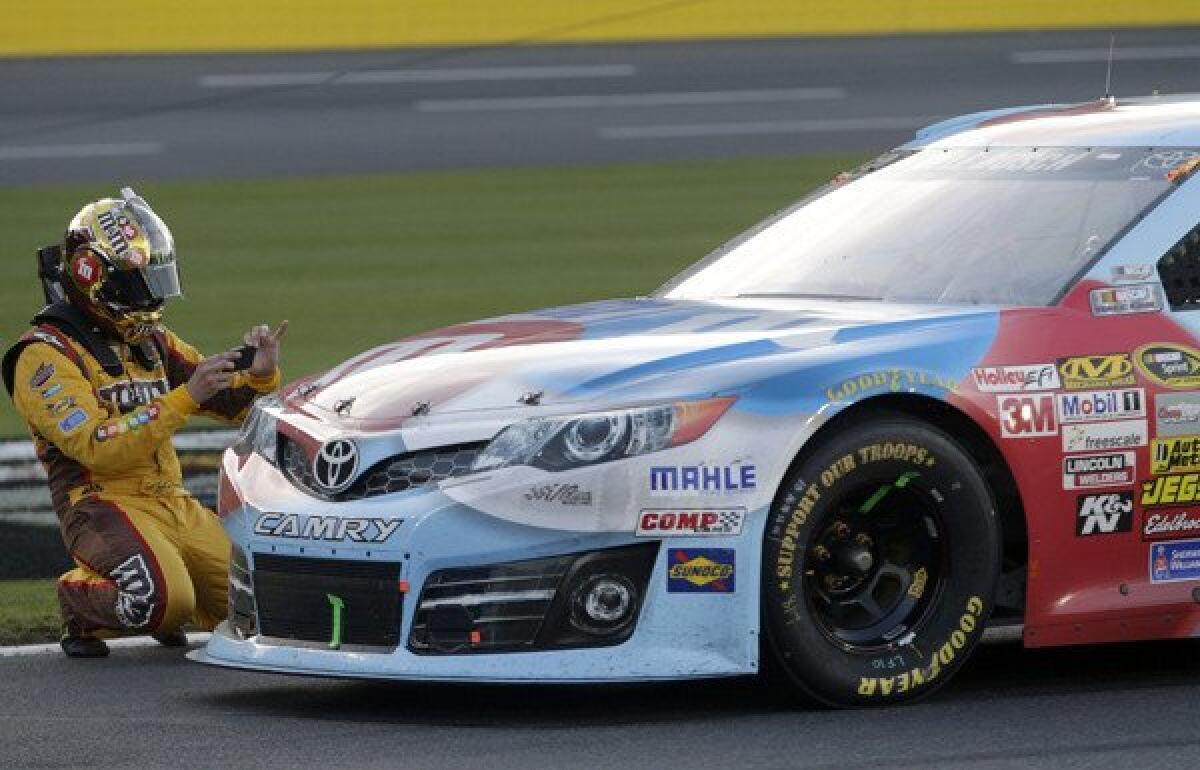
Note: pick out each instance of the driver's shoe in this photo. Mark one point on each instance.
(176, 638)
(83, 646)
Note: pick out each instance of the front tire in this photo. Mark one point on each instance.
(880, 562)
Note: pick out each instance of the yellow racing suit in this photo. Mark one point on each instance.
(149, 557)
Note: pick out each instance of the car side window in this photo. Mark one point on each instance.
(1179, 271)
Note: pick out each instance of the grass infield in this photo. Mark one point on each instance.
(360, 260)
(28, 612)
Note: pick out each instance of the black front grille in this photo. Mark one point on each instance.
(486, 609)
(395, 474)
(293, 595)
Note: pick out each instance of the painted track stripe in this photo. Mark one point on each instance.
(663, 99)
(442, 75)
(814, 126)
(131, 642)
(57, 151)
(266, 80)
(1081, 55)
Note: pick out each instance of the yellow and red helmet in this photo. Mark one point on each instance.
(119, 265)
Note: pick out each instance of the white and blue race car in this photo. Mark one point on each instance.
(955, 387)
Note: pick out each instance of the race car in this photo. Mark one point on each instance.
(955, 389)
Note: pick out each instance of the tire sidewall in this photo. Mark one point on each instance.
(954, 622)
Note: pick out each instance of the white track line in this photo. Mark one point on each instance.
(446, 75)
(665, 99)
(813, 126)
(56, 151)
(198, 637)
(1080, 55)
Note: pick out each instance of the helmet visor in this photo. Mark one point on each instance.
(128, 290)
(162, 280)
(153, 252)
(160, 245)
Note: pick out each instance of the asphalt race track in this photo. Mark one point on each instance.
(138, 118)
(1114, 706)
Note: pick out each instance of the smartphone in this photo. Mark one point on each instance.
(245, 357)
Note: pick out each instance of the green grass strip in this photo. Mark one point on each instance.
(28, 612)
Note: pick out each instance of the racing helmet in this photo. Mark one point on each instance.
(118, 265)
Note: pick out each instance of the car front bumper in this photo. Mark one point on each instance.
(677, 635)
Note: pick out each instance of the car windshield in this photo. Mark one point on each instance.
(1003, 226)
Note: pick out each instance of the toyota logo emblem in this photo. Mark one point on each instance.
(335, 465)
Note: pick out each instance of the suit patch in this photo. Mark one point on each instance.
(129, 395)
(61, 406)
(41, 376)
(126, 424)
(135, 592)
(72, 421)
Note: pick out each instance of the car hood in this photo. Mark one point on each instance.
(613, 352)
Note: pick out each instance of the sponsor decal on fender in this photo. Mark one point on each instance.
(1027, 416)
(1099, 371)
(1105, 470)
(328, 528)
(1015, 378)
(704, 479)
(1170, 365)
(1100, 436)
(1098, 405)
(1104, 514)
(1172, 455)
(1165, 525)
(662, 522)
(1124, 300)
(1175, 489)
(1176, 414)
(1179, 560)
(564, 494)
(894, 380)
(701, 570)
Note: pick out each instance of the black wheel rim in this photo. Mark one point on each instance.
(875, 565)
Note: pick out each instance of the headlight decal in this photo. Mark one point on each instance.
(694, 418)
(563, 443)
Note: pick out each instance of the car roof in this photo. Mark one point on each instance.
(1151, 121)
